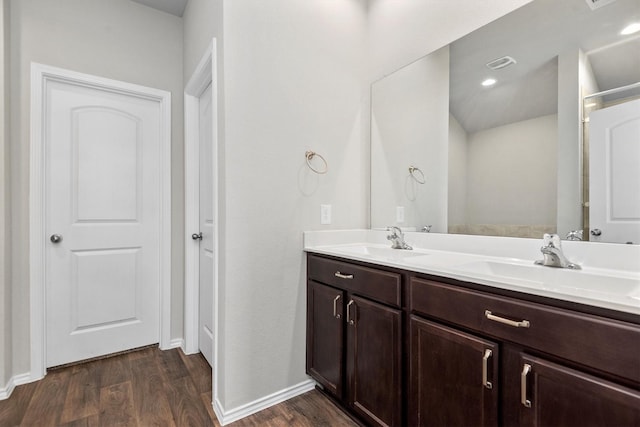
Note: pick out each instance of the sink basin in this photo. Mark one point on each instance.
(577, 282)
(378, 251)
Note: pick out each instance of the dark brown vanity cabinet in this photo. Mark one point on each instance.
(354, 333)
(546, 366)
(466, 355)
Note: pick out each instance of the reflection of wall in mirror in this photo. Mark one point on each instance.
(409, 128)
(510, 172)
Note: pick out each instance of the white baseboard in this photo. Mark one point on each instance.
(176, 343)
(226, 417)
(16, 380)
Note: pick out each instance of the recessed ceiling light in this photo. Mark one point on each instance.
(630, 29)
(489, 82)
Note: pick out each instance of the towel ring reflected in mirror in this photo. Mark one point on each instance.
(417, 174)
(309, 156)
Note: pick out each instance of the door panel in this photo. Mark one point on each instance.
(614, 173)
(205, 337)
(103, 197)
(374, 361)
(106, 156)
(560, 396)
(446, 377)
(325, 343)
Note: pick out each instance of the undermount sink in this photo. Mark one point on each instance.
(557, 279)
(379, 251)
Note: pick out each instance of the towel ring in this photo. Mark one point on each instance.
(413, 171)
(310, 155)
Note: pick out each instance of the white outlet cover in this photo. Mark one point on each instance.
(325, 214)
(400, 214)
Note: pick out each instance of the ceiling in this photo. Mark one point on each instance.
(534, 35)
(174, 7)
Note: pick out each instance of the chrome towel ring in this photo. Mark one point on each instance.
(416, 174)
(310, 155)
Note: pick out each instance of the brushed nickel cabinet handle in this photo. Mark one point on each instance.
(523, 386)
(335, 307)
(515, 324)
(485, 362)
(343, 276)
(349, 319)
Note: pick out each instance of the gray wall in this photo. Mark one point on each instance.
(116, 39)
(5, 219)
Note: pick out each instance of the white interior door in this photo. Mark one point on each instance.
(102, 200)
(205, 316)
(614, 173)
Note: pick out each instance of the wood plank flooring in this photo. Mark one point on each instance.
(149, 387)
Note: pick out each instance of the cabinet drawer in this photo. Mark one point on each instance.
(380, 285)
(607, 345)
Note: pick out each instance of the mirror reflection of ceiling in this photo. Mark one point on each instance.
(537, 32)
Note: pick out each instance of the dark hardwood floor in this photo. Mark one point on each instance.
(148, 387)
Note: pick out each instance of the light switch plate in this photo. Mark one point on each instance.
(399, 214)
(325, 214)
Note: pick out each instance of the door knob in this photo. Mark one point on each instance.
(56, 238)
(196, 236)
(596, 232)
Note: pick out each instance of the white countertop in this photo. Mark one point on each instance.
(609, 278)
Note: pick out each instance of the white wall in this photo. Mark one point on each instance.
(117, 39)
(5, 219)
(402, 31)
(409, 114)
(575, 79)
(515, 162)
(457, 200)
(294, 75)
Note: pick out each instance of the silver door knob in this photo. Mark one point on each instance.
(596, 232)
(196, 236)
(56, 238)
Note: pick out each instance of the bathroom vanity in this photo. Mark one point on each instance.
(395, 343)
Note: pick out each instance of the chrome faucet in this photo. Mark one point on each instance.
(552, 254)
(574, 235)
(397, 238)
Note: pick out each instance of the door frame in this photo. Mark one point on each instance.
(204, 74)
(41, 75)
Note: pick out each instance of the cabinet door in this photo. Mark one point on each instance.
(325, 336)
(374, 361)
(554, 395)
(453, 377)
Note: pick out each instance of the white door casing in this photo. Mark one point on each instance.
(203, 77)
(100, 178)
(205, 310)
(614, 173)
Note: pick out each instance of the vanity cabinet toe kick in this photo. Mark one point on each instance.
(463, 356)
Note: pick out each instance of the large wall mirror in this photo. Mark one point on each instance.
(495, 133)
